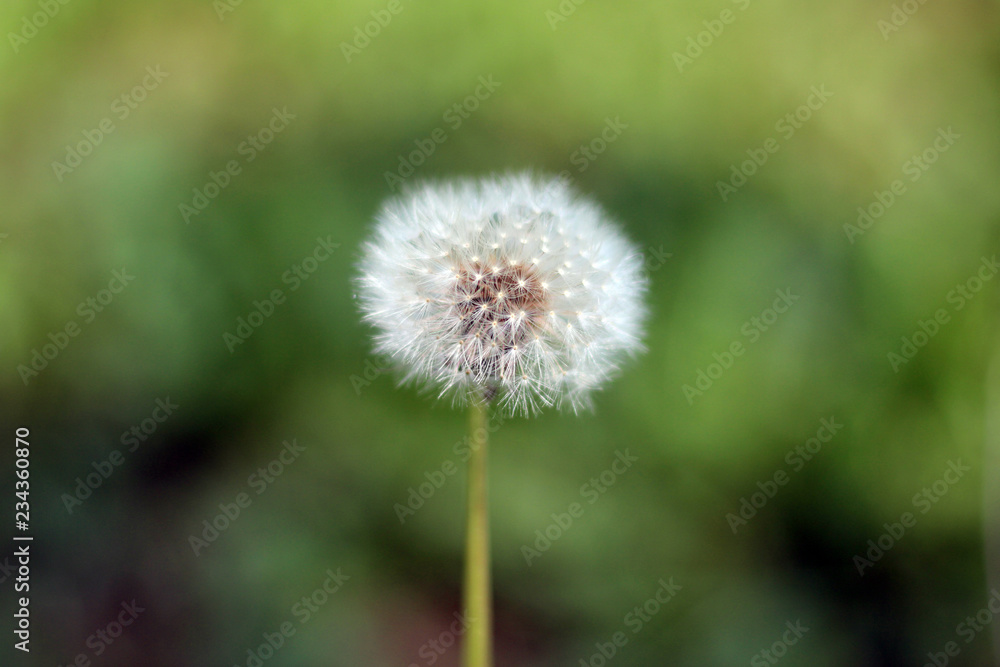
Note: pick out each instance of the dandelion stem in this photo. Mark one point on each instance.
(477, 594)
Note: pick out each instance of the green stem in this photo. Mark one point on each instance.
(477, 594)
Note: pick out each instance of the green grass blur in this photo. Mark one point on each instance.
(357, 114)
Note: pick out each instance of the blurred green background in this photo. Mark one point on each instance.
(116, 116)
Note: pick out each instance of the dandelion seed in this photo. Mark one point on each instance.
(448, 244)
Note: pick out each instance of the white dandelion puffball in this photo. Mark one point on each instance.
(512, 289)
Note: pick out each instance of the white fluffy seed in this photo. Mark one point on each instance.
(478, 254)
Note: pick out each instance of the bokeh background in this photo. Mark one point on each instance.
(896, 74)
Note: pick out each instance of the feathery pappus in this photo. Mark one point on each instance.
(510, 288)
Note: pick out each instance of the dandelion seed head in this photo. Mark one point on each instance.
(475, 289)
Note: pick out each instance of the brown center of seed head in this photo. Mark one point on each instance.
(500, 306)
